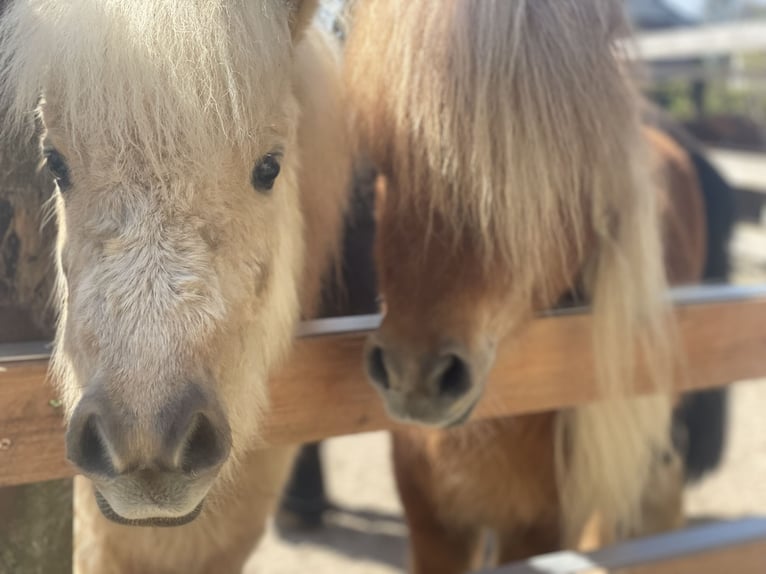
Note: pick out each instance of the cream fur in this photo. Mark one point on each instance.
(172, 267)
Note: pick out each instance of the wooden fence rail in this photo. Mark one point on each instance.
(723, 335)
(725, 547)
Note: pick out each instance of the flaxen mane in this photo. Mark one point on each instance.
(513, 120)
(169, 75)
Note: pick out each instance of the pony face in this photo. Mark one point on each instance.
(170, 130)
(169, 290)
(445, 311)
(508, 138)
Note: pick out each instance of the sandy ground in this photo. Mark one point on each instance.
(367, 534)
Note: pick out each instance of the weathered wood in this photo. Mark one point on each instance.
(36, 528)
(736, 547)
(739, 558)
(550, 367)
(322, 391)
(31, 426)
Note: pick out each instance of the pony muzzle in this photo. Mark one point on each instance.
(431, 388)
(151, 469)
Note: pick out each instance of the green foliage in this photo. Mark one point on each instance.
(739, 91)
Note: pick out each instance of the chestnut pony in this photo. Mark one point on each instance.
(514, 170)
(201, 166)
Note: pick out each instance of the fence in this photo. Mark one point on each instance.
(322, 392)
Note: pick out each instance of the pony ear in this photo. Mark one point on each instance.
(300, 13)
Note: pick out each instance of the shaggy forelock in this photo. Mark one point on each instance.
(515, 121)
(175, 82)
(500, 111)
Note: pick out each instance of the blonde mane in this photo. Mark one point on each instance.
(515, 121)
(168, 78)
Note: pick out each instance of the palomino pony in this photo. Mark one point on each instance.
(201, 165)
(514, 170)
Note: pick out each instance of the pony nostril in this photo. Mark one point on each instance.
(455, 380)
(90, 452)
(204, 447)
(376, 367)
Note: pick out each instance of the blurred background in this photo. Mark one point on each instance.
(705, 64)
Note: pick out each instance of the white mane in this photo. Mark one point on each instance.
(160, 78)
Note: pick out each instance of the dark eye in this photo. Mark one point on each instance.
(58, 167)
(265, 172)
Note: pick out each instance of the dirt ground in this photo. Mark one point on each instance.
(367, 535)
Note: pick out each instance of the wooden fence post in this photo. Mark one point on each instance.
(36, 528)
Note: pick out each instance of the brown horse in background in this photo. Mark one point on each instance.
(514, 171)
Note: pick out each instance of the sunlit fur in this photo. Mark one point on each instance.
(509, 127)
(172, 267)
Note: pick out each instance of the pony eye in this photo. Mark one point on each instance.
(58, 167)
(265, 172)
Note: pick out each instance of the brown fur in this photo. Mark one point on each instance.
(682, 207)
(456, 483)
(513, 167)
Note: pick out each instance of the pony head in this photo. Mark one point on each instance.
(512, 170)
(170, 129)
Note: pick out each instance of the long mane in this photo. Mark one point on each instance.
(172, 81)
(515, 121)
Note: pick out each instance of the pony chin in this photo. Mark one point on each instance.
(428, 413)
(154, 521)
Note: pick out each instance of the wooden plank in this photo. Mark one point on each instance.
(702, 41)
(721, 547)
(322, 391)
(743, 170)
(550, 367)
(31, 426)
(738, 559)
(36, 528)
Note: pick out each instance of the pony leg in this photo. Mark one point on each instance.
(518, 545)
(304, 500)
(219, 541)
(437, 546)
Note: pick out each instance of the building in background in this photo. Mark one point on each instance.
(657, 14)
